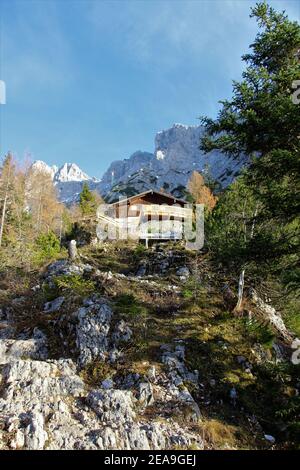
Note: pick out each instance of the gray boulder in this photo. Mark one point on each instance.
(92, 332)
(122, 333)
(145, 394)
(183, 271)
(33, 348)
(113, 406)
(54, 305)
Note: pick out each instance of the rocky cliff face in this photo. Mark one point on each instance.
(176, 155)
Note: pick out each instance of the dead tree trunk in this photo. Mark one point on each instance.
(72, 250)
(238, 306)
(3, 217)
(4, 206)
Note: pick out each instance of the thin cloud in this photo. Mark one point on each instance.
(164, 33)
(42, 57)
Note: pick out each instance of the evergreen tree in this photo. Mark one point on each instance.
(260, 124)
(88, 201)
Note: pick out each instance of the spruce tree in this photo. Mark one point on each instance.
(89, 201)
(260, 126)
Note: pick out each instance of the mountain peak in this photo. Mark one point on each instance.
(42, 167)
(70, 172)
(67, 172)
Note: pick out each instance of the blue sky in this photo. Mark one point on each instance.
(93, 81)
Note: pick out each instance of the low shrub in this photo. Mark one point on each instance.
(139, 250)
(47, 246)
(97, 371)
(260, 332)
(74, 284)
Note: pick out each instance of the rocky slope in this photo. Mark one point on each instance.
(45, 403)
(134, 349)
(176, 156)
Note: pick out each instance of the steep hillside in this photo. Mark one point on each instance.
(138, 349)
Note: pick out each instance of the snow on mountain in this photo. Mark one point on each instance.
(42, 167)
(70, 172)
(176, 155)
(68, 179)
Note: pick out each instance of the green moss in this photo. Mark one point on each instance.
(128, 305)
(75, 284)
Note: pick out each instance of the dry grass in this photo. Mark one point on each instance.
(219, 435)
